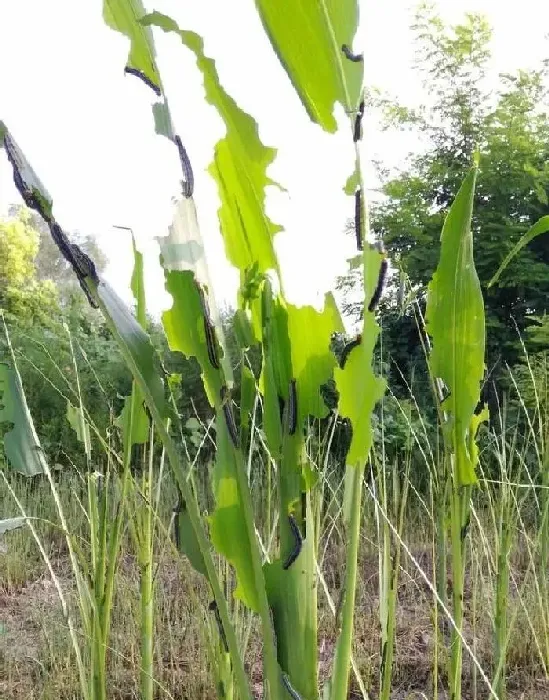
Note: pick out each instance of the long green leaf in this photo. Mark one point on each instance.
(307, 36)
(455, 322)
(541, 226)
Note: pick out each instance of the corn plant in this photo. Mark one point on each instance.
(455, 321)
(295, 344)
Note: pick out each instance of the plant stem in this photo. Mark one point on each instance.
(340, 678)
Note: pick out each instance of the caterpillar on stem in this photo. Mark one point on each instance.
(209, 330)
(228, 413)
(213, 608)
(374, 301)
(357, 131)
(358, 218)
(292, 407)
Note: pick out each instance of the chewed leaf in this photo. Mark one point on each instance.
(359, 388)
(239, 167)
(312, 40)
(313, 363)
(80, 425)
(123, 16)
(455, 322)
(185, 327)
(21, 444)
(227, 524)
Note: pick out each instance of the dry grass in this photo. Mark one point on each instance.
(36, 658)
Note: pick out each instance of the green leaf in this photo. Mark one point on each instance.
(80, 426)
(184, 327)
(359, 388)
(541, 226)
(239, 167)
(276, 370)
(11, 524)
(21, 444)
(227, 524)
(307, 36)
(133, 420)
(455, 322)
(312, 361)
(123, 16)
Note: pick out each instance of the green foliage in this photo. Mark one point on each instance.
(22, 295)
(510, 126)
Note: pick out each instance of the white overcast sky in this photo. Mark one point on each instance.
(88, 130)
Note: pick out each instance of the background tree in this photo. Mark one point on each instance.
(510, 126)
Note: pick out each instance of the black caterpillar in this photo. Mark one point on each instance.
(347, 349)
(298, 543)
(354, 57)
(380, 284)
(209, 331)
(139, 74)
(292, 407)
(229, 416)
(213, 608)
(357, 131)
(187, 184)
(358, 218)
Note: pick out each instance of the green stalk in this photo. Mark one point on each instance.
(146, 591)
(340, 679)
(503, 545)
(459, 509)
(270, 661)
(388, 634)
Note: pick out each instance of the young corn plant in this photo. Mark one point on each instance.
(295, 343)
(455, 322)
